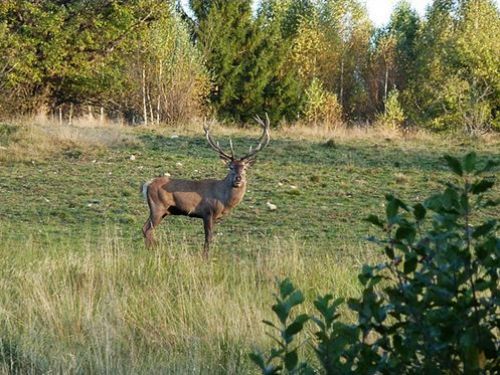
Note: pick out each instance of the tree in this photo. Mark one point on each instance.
(478, 50)
(331, 45)
(168, 82)
(72, 51)
(232, 48)
(454, 85)
(404, 26)
(384, 65)
(283, 93)
(393, 54)
(347, 30)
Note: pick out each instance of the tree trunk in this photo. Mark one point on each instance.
(145, 108)
(341, 95)
(70, 119)
(386, 82)
(158, 104)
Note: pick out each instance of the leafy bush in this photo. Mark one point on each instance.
(430, 307)
(393, 115)
(286, 352)
(322, 106)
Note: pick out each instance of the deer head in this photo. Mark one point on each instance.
(237, 166)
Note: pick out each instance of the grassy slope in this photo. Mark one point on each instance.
(79, 291)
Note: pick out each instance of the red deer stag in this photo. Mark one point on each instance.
(205, 199)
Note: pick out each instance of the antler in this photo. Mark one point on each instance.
(215, 145)
(263, 140)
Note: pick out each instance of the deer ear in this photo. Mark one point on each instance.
(225, 161)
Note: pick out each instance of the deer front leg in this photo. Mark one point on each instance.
(208, 224)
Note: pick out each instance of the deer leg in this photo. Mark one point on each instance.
(208, 224)
(147, 230)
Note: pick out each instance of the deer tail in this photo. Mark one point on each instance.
(144, 189)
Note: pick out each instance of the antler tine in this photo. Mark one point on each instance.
(231, 146)
(263, 140)
(214, 145)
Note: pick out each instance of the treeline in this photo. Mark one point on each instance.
(316, 61)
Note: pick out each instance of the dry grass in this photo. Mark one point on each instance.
(306, 131)
(41, 137)
(106, 306)
(27, 141)
(75, 298)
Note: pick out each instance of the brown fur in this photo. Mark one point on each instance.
(205, 199)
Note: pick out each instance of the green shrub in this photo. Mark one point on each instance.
(322, 106)
(393, 115)
(430, 308)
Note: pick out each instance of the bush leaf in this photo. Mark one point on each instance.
(454, 165)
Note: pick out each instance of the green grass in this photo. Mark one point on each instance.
(80, 293)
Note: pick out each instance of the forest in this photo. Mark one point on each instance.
(317, 62)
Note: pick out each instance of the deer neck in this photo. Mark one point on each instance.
(233, 195)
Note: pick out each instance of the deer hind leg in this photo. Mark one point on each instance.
(150, 224)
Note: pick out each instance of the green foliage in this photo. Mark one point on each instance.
(393, 54)
(393, 115)
(148, 60)
(283, 93)
(166, 73)
(404, 25)
(321, 106)
(285, 356)
(232, 46)
(332, 46)
(246, 57)
(432, 306)
(71, 53)
(455, 83)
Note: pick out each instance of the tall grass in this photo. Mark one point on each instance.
(22, 141)
(105, 304)
(77, 296)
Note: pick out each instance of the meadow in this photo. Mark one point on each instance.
(79, 293)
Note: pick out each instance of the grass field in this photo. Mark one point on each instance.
(79, 293)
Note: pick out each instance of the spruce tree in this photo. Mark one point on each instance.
(404, 26)
(278, 20)
(246, 55)
(230, 45)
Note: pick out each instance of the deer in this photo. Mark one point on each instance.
(208, 199)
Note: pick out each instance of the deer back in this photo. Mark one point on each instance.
(194, 198)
